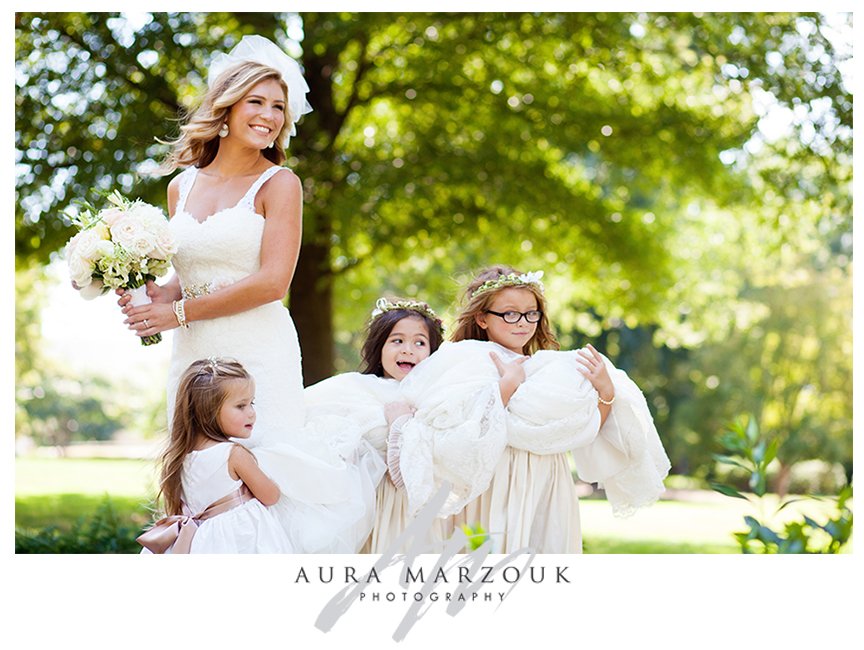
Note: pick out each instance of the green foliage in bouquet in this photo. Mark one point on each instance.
(751, 451)
(104, 532)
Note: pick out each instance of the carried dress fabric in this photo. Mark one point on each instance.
(458, 430)
(530, 500)
(346, 412)
(327, 501)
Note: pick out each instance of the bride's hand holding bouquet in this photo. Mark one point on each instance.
(122, 247)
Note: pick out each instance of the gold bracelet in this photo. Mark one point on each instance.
(179, 307)
(603, 401)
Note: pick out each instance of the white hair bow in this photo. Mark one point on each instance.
(261, 50)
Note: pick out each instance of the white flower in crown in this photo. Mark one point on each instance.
(511, 280)
(533, 277)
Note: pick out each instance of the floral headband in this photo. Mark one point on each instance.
(510, 280)
(383, 305)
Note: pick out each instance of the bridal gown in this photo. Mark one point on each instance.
(212, 254)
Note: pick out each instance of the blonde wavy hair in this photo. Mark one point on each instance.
(201, 393)
(466, 322)
(199, 136)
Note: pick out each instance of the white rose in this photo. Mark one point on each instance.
(71, 245)
(165, 246)
(104, 248)
(125, 231)
(149, 217)
(88, 245)
(80, 270)
(111, 216)
(142, 245)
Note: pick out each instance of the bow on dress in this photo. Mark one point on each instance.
(175, 532)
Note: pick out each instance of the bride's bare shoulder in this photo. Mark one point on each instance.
(283, 185)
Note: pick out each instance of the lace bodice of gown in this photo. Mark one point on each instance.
(212, 254)
(223, 248)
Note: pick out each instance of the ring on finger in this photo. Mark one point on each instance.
(146, 323)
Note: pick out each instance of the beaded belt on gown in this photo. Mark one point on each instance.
(191, 291)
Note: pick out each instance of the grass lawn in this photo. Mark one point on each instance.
(91, 476)
(666, 527)
(58, 492)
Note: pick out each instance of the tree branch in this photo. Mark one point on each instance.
(363, 66)
(117, 73)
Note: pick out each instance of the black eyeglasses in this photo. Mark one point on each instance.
(514, 317)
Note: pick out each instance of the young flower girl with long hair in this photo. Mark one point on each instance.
(555, 403)
(213, 493)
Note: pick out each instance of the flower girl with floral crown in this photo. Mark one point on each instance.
(361, 406)
(555, 404)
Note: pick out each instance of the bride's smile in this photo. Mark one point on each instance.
(257, 119)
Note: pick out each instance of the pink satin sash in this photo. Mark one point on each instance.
(176, 531)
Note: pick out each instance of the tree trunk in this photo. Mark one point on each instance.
(312, 311)
(784, 476)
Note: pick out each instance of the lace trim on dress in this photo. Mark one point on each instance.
(457, 442)
(394, 448)
(187, 181)
(248, 199)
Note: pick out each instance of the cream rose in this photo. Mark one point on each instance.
(80, 270)
(88, 245)
(111, 216)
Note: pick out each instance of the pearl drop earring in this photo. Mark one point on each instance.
(270, 146)
(223, 132)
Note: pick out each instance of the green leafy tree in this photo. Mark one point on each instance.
(61, 410)
(442, 142)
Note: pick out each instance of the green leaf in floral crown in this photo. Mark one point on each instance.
(731, 441)
(810, 522)
(752, 521)
(759, 452)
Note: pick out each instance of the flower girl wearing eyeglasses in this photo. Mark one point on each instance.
(557, 404)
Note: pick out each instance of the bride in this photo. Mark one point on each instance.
(236, 216)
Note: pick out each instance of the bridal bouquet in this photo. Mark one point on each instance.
(120, 247)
